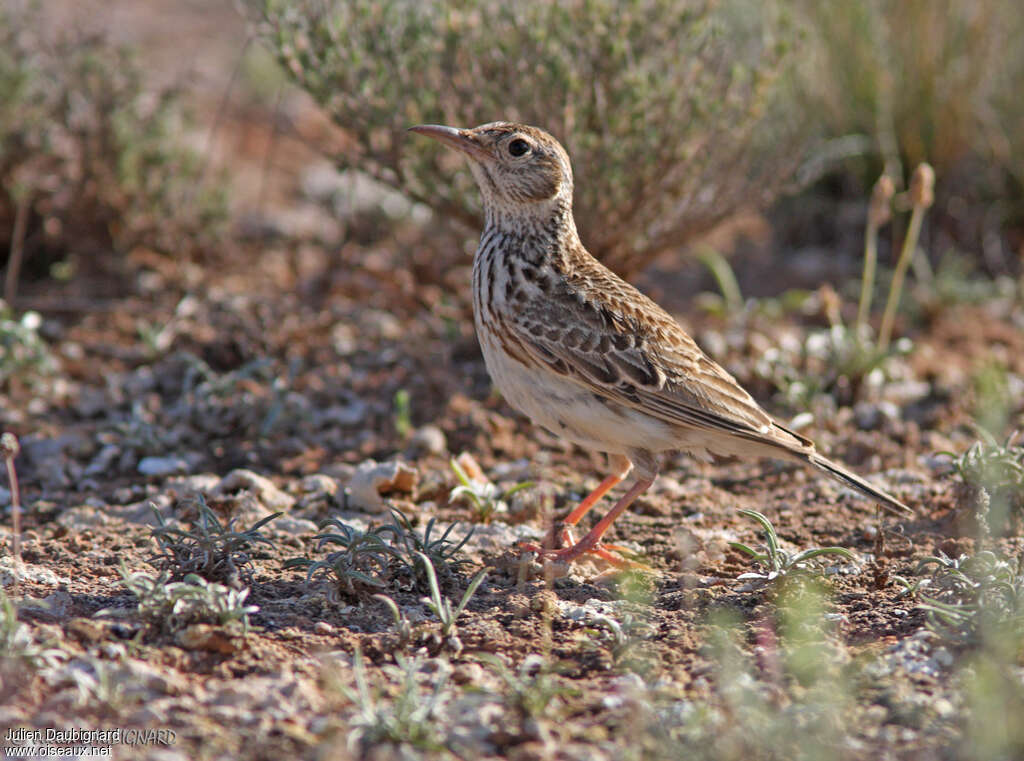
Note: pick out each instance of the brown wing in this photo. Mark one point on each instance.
(599, 330)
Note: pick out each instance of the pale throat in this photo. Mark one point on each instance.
(542, 222)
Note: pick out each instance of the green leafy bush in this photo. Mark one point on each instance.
(673, 112)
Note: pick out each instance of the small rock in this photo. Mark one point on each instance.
(353, 413)
(200, 482)
(103, 462)
(906, 391)
(87, 630)
(212, 639)
(161, 466)
(870, 416)
(292, 525)
(372, 480)
(10, 572)
(81, 517)
(53, 607)
(939, 464)
(429, 439)
(323, 628)
(318, 483)
(142, 512)
(245, 480)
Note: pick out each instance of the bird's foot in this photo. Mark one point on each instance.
(613, 554)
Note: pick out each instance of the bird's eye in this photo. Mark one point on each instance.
(518, 147)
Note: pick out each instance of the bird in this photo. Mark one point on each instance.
(586, 355)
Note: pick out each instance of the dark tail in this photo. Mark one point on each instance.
(840, 473)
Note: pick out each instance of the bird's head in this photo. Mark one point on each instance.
(516, 166)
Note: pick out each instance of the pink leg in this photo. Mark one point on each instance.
(563, 534)
(591, 499)
(592, 541)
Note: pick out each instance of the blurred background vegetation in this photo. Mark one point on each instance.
(716, 110)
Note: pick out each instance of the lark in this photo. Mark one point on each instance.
(587, 356)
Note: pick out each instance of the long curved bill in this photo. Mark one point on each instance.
(459, 139)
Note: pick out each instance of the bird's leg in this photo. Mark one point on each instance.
(591, 543)
(622, 466)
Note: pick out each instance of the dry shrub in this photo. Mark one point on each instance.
(673, 112)
(92, 155)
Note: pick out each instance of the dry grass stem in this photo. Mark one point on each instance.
(879, 212)
(921, 196)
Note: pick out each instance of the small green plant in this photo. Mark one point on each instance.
(839, 359)
(533, 689)
(729, 299)
(789, 699)
(173, 606)
(368, 561)
(442, 550)
(993, 478)
(484, 496)
(9, 449)
(18, 649)
(624, 640)
(778, 562)
(102, 685)
(992, 466)
(829, 364)
(439, 605)
(402, 626)
(413, 718)
(363, 562)
(403, 413)
(210, 549)
(25, 357)
(971, 597)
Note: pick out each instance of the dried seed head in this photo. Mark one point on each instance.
(922, 186)
(830, 304)
(9, 446)
(880, 209)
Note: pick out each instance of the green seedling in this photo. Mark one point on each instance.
(441, 550)
(992, 466)
(17, 647)
(485, 497)
(728, 287)
(532, 689)
(777, 561)
(9, 449)
(971, 596)
(403, 413)
(210, 549)
(402, 626)
(412, 718)
(363, 561)
(173, 606)
(622, 639)
(25, 356)
(440, 606)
